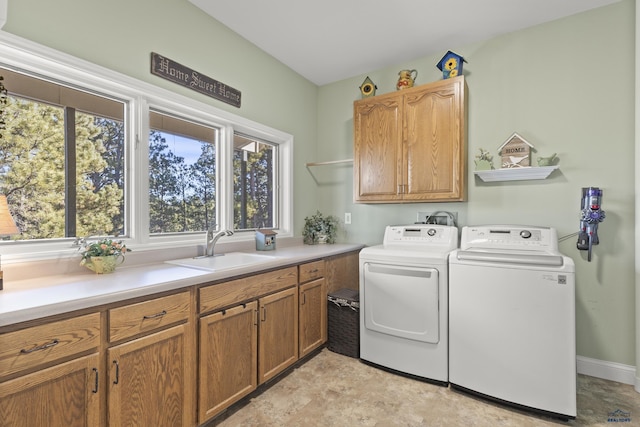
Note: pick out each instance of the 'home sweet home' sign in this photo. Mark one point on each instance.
(184, 76)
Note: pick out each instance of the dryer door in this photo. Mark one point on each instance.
(401, 301)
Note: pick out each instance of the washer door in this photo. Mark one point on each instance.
(401, 301)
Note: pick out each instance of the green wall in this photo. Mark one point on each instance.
(121, 34)
(565, 86)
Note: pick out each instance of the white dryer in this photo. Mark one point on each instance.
(512, 318)
(403, 300)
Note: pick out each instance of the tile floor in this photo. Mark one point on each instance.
(334, 390)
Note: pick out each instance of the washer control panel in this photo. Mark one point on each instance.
(543, 239)
(422, 234)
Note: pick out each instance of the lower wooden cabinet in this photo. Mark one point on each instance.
(148, 381)
(278, 333)
(243, 346)
(65, 395)
(228, 358)
(313, 315)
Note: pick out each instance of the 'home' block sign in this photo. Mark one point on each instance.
(515, 152)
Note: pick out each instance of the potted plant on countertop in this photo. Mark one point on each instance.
(102, 256)
(319, 229)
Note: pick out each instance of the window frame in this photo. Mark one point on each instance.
(140, 98)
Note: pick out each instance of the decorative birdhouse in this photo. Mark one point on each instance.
(515, 152)
(265, 240)
(368, 88)
(451, 65)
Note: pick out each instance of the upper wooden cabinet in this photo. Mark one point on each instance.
(410, 145)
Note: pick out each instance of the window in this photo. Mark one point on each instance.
(61, 160)
(254, 175)
(182, 175)
(87, 151)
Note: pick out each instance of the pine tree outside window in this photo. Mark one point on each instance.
(254, 175)
(182, 175)
(62, 168)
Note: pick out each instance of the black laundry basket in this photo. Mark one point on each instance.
(343, 320)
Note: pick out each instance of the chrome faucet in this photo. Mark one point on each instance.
(213, 238)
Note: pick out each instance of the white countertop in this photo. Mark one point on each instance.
(35, 298)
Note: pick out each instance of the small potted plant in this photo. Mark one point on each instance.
(484, 161)
(319, 228)
(103, 256)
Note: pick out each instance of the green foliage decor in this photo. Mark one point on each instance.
(318, 225)
(104, 247)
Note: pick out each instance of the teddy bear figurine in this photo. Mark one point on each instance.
(406, 79)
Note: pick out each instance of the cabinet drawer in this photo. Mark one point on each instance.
(236, 291)
(147, 316)
(38, 345)
(311, 271)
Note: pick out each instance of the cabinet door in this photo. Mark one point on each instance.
(434, 149)
(228, 358)
(377, 149)
(65, 395)
(313, 316)
(147, 380)
(278, 333)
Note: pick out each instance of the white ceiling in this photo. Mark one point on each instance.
(330, 40)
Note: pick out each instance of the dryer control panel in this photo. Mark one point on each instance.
(432, 235)
(511, 237)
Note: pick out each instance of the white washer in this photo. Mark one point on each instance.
(512, 318)
(403, 300)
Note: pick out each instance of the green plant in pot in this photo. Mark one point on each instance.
(319, 228)
(103, 256)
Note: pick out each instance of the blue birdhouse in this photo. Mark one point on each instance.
(265, 240)
(451, 65)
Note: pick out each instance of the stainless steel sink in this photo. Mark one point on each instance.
(223, 261)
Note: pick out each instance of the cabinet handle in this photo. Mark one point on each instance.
(315, 270)
(40, 347)
(304, 298)
(255, 317)
(117, 380)
(153, 316)
(95, 388)
(264, 314)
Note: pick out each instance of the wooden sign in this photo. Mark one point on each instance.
(185, 76)
(515, 152)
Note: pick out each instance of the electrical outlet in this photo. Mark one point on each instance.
(440, 218)
(347, 217)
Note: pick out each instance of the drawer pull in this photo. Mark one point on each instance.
(40, 347)
(95, 389)
(155, 316)
(314, 270)
(117, 380)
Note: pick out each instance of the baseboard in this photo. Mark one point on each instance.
(611, 371)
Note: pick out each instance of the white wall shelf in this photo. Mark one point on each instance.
(516, 174)
(331, 162)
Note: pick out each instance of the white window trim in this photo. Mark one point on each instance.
(3, 12)
(141, 96)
